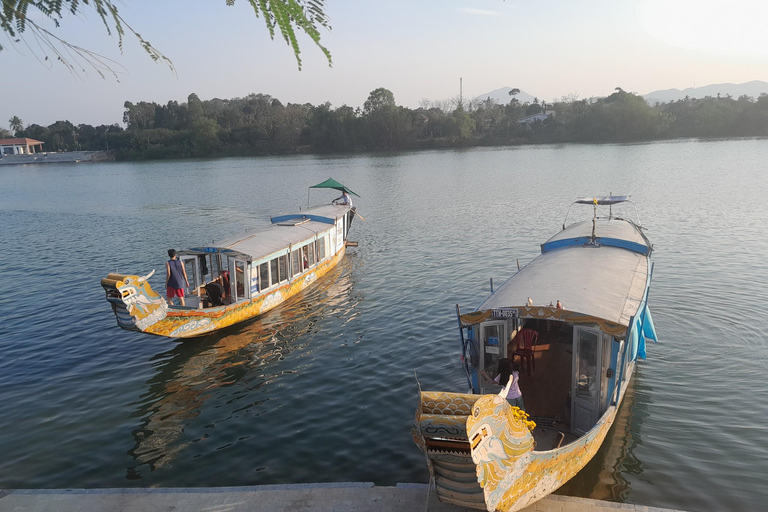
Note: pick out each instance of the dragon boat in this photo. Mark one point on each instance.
(258, 270)
(577, 319)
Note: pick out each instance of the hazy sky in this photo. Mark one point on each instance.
(416, 48)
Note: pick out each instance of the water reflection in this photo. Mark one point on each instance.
(242, 358)
(604, 477)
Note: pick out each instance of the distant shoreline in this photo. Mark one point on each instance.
(58, 158)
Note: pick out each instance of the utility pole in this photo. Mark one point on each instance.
(461, 92)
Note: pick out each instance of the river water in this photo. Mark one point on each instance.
(322, 389)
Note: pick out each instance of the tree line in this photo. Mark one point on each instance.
(260, 124)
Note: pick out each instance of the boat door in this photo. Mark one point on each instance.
(494, 339)
(585, 379)
(192, 266)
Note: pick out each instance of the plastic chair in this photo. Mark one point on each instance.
(526, 346)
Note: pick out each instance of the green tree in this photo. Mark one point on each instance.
(140, 116)
(284, 16)
(16, 124)
(378, 99)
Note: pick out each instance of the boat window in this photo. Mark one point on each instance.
(263, 276)
(320, 249)
(240, 279)
(282, 267)
(311, 251)
(304, 258)
(494, 342)
(586, 378)
(295, 262)
(191, 265)
(275, 277)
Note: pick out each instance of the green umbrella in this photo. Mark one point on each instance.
(332, 183)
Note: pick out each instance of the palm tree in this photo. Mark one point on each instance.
(512, 93)
(16, 124)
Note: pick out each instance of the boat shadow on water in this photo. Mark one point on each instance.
(246, 355)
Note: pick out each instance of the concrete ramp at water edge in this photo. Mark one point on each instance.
(336, 497)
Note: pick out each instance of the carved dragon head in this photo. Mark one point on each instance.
(501, 445)
(135, 304)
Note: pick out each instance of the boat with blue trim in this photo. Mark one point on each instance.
(576, 318)
(240, 277)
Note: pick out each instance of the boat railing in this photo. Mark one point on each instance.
(608, 201)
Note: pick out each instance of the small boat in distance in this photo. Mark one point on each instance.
(577, 318)
(257, 271)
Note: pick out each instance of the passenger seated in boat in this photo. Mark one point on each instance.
(508, 370)
(343, 199)
(215, 293)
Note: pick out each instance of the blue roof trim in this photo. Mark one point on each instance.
(315, 218)
(610, 242)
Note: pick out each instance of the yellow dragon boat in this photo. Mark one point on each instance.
(577, 317)
(258, 270)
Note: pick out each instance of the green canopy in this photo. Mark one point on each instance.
(332, 183)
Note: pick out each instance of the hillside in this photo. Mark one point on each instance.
(752, 89)
(502, 96)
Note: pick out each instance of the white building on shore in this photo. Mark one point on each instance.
(22, 146)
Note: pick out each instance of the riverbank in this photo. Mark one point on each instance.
(58, 158)
(336, 497)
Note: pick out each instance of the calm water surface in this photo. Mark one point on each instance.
(322, 389)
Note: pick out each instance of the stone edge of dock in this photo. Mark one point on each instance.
(336, 497)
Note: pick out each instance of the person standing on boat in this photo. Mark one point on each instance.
(508, 370)
(343, 199)
(175, 278)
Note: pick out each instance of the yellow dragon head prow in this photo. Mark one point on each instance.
(501, 443)
(135, 304)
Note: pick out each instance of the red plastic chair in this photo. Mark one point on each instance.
(526, 346)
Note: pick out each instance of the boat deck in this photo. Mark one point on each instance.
(545, 391)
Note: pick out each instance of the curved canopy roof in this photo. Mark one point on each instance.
(284, 231)
(604, 281)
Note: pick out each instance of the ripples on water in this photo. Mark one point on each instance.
(322, 388)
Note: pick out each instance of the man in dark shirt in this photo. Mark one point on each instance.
(215, 293)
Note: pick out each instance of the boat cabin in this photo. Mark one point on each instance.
(263, 260)
(574, 319)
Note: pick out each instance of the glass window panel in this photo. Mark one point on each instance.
(263, 276)
(240, 279)
(311, 251)
(295, 262)
(586, 379)
(282, 268)
(321, 249)
(275, 277)
(492, 348)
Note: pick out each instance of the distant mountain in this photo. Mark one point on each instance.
(502, 96)
(753, 89)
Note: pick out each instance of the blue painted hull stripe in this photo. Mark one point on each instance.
(316, 218)
(610, 242)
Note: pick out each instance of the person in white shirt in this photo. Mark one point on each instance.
(344, 199)
(508, 370)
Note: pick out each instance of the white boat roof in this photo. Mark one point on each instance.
(284, 231)
(605, 280)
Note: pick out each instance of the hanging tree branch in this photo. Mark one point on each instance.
(287, 16)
